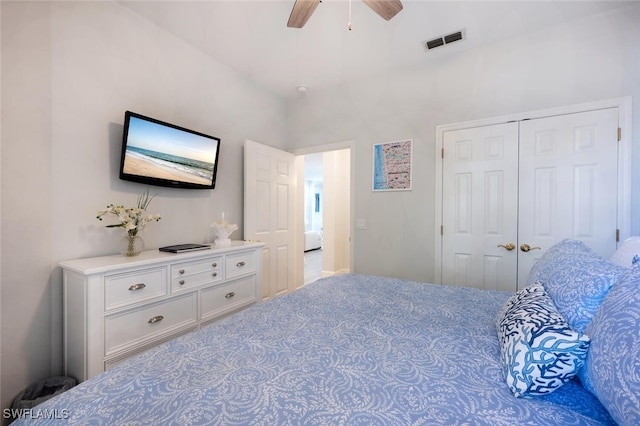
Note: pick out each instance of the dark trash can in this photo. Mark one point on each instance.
(41, 391)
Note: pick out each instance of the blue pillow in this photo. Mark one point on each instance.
(577, 279)
(539, 351)
(557, 256)
(612, 368)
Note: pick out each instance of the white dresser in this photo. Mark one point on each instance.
(116, 306)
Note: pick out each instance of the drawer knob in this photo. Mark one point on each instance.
(229, 295)
(155, 319)
(138, 286)
(214, 264)
(240, 264)
(215, 274)
(181, 282)
(181, 271)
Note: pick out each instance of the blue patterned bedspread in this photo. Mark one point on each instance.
(347, 350)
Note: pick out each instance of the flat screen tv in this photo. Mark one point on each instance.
(159, 153)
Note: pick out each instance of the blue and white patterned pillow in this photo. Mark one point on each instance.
(612, 368)
(556, 256)
(577, 279)
(538, 349)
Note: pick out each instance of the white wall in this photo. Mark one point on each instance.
(336, 211)
(597, 58)
(342, 209)
(26, 198)
(69, 71)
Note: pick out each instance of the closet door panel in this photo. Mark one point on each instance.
(480, 207)
(568, 183)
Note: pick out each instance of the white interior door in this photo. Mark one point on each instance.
(269, 191)
(568, 183)
(479, 207)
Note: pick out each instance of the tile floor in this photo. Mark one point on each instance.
(312, 265)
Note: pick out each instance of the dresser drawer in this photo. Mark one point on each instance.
(224, 298)
(135, 327)
(128, 288)
(203, 265)
(109, 363)
(191, 274)
(239, 264)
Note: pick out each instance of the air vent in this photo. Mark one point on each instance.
(453, 37)
(437, 42)
(445, 39)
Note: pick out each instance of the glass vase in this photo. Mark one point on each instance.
(131, 245)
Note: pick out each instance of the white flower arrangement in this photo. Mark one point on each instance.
(132, 219)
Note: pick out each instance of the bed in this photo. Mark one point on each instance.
(365, 350)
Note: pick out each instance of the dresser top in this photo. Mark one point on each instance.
(102, 264)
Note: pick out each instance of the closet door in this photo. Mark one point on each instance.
(480, 202)
(511, 191)
(568, 183)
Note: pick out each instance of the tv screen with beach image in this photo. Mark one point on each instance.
(159, 151)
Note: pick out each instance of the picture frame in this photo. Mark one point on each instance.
(392, 166)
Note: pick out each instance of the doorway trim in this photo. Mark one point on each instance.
(624, 160)
(299, 209)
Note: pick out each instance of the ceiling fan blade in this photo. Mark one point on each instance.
(387, 9)
(301, 12)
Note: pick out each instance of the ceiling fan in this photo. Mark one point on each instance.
(303, 9)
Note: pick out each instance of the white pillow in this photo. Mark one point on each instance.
(628, 253)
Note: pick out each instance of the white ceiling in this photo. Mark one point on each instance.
(313, 167)
(252, 37)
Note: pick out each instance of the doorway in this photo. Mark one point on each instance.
(313, 211)
(323, 211)
(274, 211)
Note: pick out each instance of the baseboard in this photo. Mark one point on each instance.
(332, 273)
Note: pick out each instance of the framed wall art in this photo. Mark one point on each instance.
(392, 166)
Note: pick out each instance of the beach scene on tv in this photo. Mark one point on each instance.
(162, 152)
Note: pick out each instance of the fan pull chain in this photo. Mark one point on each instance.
(349, 25)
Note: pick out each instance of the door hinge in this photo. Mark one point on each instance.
(442, 153)
(619, 134)
(617, 235)
(441, 230)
